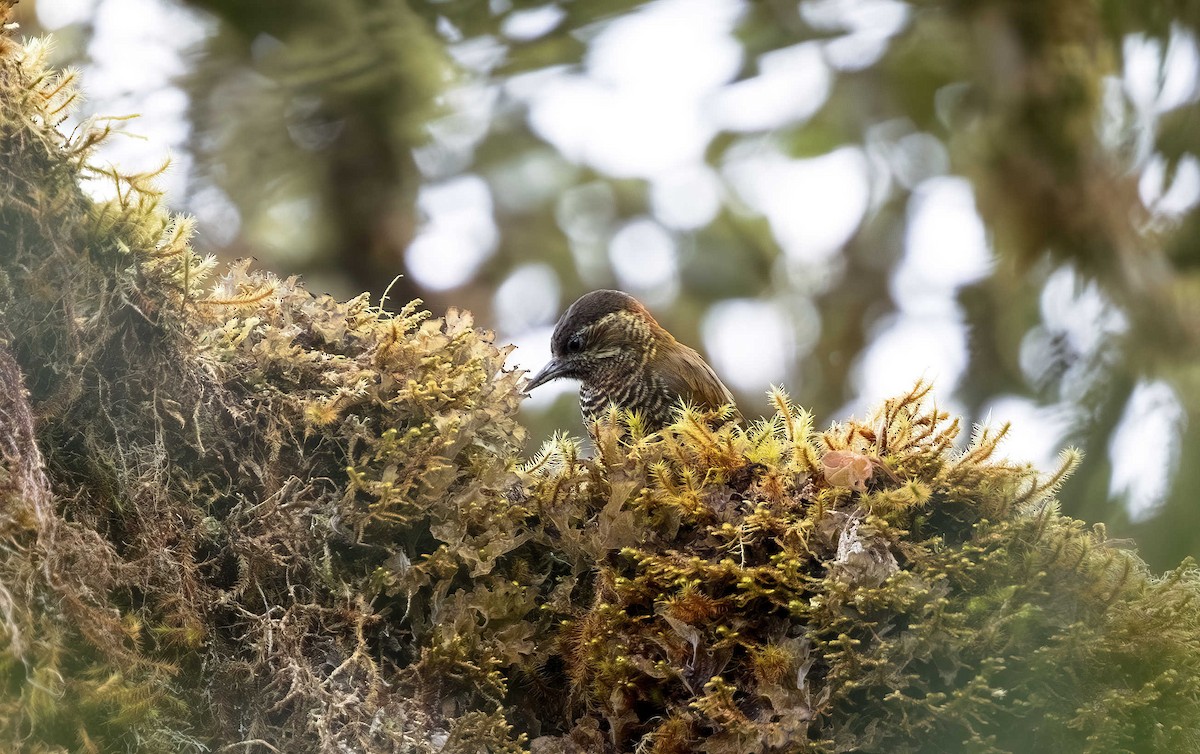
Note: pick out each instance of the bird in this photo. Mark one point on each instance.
(620, 354)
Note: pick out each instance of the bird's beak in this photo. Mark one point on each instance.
(552, 371)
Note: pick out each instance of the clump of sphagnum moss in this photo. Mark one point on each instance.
(239, 516)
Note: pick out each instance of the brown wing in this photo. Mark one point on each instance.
(692, 379)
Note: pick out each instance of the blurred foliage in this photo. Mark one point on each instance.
(237, 515)
(321, 105)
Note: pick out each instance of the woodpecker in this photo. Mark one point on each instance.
(610, 343)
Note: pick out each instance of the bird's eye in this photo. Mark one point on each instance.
(575, 344)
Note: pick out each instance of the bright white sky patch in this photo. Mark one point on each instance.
(528, 298)
(458, 233)
(637, 112)
(1183, 193)
(527, 25)
(749, 342)
(945, 246)
(1141, 57)
(911, 348)
(857, 50)
(645, 261)
(870, 24)
(623, 134)
(1180, 67)
(1156, 81)
(1037, 432)
(813, 205)
(855, 15)
(670, 49)
(792, 84)
(1080, 329)
(1144, 448)
(686, 199)
(1078, 310)
(60, 13)
(133, 59)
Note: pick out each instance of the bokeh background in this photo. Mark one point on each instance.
(838, 196)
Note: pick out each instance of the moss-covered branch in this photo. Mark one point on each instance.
(237, 516)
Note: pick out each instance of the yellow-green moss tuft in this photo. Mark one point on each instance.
(868, 589)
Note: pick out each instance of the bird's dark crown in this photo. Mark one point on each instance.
(590, 309)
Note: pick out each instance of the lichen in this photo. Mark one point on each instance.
(236, 515)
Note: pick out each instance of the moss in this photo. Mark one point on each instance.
(247, 516)
(236, 469)
(935, 602)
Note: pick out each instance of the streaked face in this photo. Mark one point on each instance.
(597, 333)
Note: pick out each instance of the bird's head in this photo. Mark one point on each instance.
(601, 332)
